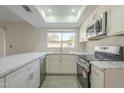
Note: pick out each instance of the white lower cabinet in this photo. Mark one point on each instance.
(97, 78)
(53, 64)
(61, 64)
(17, 79)
(27, 76)
(2, 82)
(34, 75)
(68, 65)
(107, 78)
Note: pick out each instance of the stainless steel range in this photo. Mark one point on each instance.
(102, 53)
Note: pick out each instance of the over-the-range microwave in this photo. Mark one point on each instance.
(98, 29)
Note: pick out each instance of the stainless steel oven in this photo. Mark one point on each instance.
(83, 72)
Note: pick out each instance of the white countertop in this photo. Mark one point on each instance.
(11, 63)
(108, 64)
(71, 53)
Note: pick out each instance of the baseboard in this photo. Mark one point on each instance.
(58, 74)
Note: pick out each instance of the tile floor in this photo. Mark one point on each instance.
(60, 82)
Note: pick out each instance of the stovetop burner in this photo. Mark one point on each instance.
(88, 57)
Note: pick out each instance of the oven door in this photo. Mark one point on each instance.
(83, 76)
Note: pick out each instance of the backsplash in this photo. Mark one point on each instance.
(115, 40)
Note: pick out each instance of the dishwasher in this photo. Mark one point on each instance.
(42, 69)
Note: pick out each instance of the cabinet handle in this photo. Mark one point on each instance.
(31, 76)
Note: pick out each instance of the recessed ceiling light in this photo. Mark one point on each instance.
(73, 10)
(50, 10)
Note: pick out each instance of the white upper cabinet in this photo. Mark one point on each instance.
(82, 32)
(1, 82)
(117, 20)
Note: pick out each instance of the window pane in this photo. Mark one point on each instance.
(54, 40)
(68, 40)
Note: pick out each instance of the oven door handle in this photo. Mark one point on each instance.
(86, 68)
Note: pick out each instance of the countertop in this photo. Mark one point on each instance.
(9, 64)
(71, 53)
(108, 64)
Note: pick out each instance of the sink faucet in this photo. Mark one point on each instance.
(61, 50)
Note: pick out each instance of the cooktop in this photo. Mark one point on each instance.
(88, 57)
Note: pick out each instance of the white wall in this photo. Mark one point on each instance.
(25, 38)
(2, 42)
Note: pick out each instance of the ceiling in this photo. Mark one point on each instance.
(7, 15)
(61, 16)
(61, 9)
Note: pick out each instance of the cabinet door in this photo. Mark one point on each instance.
(68, 65)
(17, 79)
(92, 18)
(108, 19)
(81, 33)
(117, 20)
(97, 78)
(1, 82)
(53, 64)
(34, 74)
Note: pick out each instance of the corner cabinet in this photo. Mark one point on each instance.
(1, 82)
(116, 20)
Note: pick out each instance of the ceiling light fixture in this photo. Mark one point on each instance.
(73, 10)
(49, 10)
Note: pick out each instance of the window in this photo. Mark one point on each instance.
(54, 40)
(61, 39)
